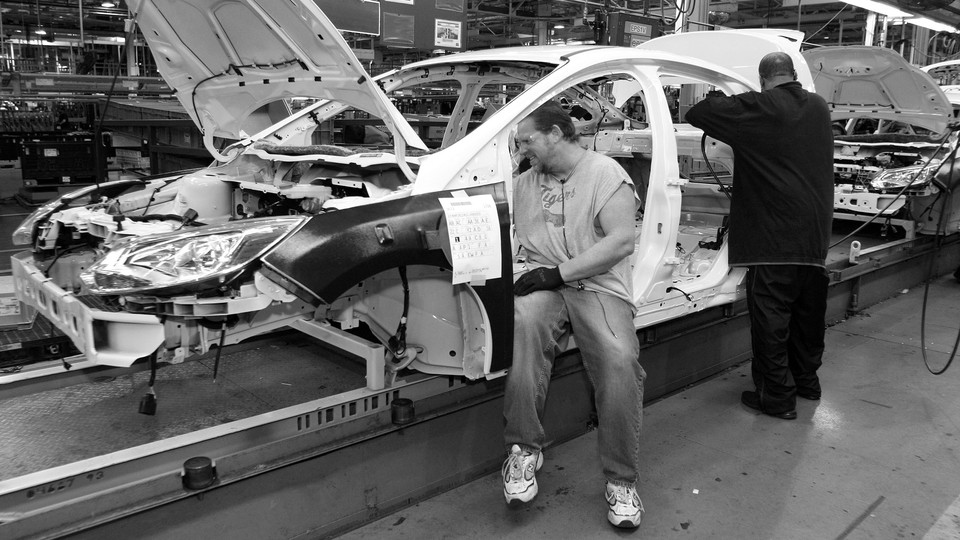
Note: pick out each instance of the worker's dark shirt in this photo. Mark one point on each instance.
(782, 205)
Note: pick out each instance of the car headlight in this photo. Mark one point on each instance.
(917, 176)
(187, 257)
(24, 234)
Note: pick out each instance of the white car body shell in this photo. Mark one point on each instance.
(449, 333)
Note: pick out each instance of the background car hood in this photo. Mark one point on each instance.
(863, 81)
(231, 62)
(953, 94)
(738, 50)
(944, 73)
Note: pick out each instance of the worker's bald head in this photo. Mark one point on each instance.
(775, 69)
(776, 63)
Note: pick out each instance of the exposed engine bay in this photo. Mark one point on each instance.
(858, 160)
(851, 166)
(886, 174)
(259, 183)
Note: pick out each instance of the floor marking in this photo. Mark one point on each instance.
(850, 528)
(875, 403)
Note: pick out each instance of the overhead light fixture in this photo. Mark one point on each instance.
(559, 26)
(108, 4)
(40, 32)
(878, 7)
(932, 25)
(891, 11)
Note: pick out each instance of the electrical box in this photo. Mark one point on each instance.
(628, 30)
(59, 160)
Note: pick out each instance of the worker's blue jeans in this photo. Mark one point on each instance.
(603, 328)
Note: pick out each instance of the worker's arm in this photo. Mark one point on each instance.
(616, 220)
(716, 116)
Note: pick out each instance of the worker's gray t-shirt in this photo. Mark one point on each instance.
(541, 203)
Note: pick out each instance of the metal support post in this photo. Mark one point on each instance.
(372, 353)
(870, 28)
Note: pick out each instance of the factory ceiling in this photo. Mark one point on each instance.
(494, 23)
(497, 22)
(62, 19)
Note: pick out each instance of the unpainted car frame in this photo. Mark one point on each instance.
(888, 170)
(282, 232)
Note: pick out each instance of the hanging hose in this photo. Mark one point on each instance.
(931, 272)
(398, 341)
(923, 341)
(402, 355)
(706, 160)
(722, 230)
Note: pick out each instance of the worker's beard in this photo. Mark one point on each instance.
(535, 164)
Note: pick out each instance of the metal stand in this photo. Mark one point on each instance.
(372, 353)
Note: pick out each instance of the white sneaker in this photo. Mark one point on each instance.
(519, 480)
(626, 509)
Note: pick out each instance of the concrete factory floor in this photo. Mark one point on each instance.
(877, 457)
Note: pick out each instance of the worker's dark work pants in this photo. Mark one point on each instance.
(787, 306)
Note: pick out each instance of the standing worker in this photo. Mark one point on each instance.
(574, 213)
(780, 222)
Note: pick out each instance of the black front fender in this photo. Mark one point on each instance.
(336, 250)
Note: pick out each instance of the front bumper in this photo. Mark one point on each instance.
(107, 338)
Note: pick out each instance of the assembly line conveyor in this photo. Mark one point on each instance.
(309, 438)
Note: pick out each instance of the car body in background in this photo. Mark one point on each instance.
(288, 229)
(890, 135)
(947, 75)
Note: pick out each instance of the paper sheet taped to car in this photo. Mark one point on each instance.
(474, 237)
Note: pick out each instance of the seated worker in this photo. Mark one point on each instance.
(574, 211)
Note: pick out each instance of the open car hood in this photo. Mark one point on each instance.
(738, 50)
(232, 62)
(863, 81)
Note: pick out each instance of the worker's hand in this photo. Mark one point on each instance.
(538, 279)
(314, 205)
(311, 205)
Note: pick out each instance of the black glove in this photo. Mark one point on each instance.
(538, 279)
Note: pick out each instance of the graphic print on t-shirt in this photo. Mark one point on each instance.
(551, 198)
